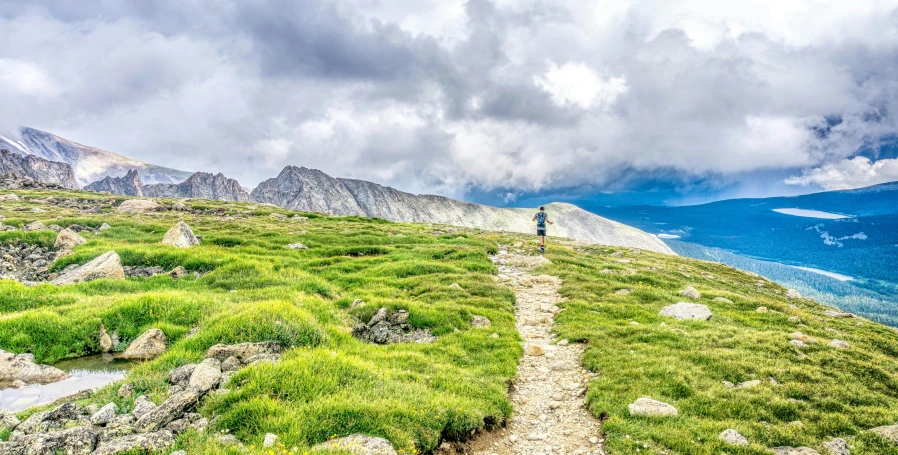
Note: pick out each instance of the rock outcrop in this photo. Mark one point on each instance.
(147, 346)
(22, 369)
(128, 185)
(107, 265)
(37, 169)
(181, 236)
(202, 185)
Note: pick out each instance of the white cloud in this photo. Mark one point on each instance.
(26, 78)
(576, 84)
(848, 174)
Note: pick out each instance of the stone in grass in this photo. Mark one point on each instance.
(181, 236)
(837, 314)
(687, 311)
(836, 446)
(888, 432)
(839, 344)
(691, 293)
(147, 346)
(77, 440)
(104, 415)
(104, 227)
(35, 226)
(107, 265)
(359, 444)
(171, 409)
(137, 206)
(794, 451)
(651, 408)
(278, 216)
(793, 294)
(270, 440)
(722, 300)
(733, 438)
(142, 442)
(67, 240)
(480, 322)
(297, 246)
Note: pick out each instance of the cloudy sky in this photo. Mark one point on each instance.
(491, 96)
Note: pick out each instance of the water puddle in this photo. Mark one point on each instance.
(89, 372)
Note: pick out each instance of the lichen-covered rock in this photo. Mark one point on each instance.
(138, 206)
(181, 374)
(150, 442)
(74, 441)
(107, 265)
(205, 376)
(297, 246)
(793, 294)
(687, 311)
(836, 446)
(142, 407)
(147, 346)
(104, 415)
(794, 451)
(8, 420)
(359, 444)
(651, 408)
(171, 409)
(181, 236)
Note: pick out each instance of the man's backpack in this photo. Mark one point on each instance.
(541, 219)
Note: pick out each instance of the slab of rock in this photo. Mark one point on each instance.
(480, 322)
(691, 293)
(687, 311)
(171, 409)
(74, 441)
(836, 446)
(67, 240)
(243, 351)
(205, 376)
(733, 438)
(21, 367)
(652, 408)
(149, 442)
(147, 346)
(359, 444)
(107, 265)
(181, 236)
(137, 206)
(794, 451)
(888, 432)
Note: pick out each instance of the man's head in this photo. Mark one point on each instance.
(542, 209)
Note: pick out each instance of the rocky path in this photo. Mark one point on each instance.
(549, 393)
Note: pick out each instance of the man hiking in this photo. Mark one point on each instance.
(541, 219)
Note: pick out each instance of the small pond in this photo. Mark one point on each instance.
(89, 372)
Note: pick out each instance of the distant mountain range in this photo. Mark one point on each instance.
(851, 234)
(88, 163)
(300, 188)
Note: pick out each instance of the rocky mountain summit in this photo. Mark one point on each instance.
(201, 185)
(128, 185)
(37, 169)
(88, 163)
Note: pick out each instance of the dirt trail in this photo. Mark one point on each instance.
(549, 393)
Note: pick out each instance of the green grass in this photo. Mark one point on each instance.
(329, 384)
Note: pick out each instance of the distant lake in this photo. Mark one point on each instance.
(811, 214)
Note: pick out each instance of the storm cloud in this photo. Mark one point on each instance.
(445, 96)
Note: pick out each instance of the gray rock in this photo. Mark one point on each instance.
(836, 446)
(171, 409)
(150, 442)
(181, 374)
(652, 408)
(480, 322)
(181, 236)
(687, 311)
(108, 265)
(691, 292)
(243, 351)
(793, 294)
(128, 185)
(35, 226)
(798, 343)
(22, 368)
(201, 185)
(722, 300)
(747, 384)
(138, 206)
(142, 407)
(74, 441)
(147, 346)
(297, 246)
(105, 340)
(839, 344)
(104, 415)
(206, 375)
(888, 432)
(178, 426)
(379, 316)
(230, 364)
(67, 240)
(262, 358)
(733, 438)
(8, 420)
(359, 444)
(125, 390)
(33, 171)
(104, 227)
(794, 451)
(200, 425)
(270, 440)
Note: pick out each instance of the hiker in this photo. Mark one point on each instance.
(541, 219)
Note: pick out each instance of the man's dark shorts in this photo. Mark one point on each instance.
(541, 231)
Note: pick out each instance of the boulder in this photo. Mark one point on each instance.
(74, 441)
(146, 442)
(691, 292)
(243, 351)
(733, 438)
(839, 344)
(8, 420)
(104, 415)
(21, 367)
(794, 451)
(177, 272)
(480, 322)
(104, 227)
(836, 446)
(67, 240)
(687, 311)
(888, 432)
(35, 226)
(798, 343)
(142, 407)
(137, 206)
(125, 391)
(171, 409)
(651, 408)
(762, 309)
(147, 346)
(181, 236)
(205, 376)
(181, 374)
(107, 265)
(793, 294)
(105, 340)
(359, 444)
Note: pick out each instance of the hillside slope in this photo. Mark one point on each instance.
(89, 163)
(330, 383)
